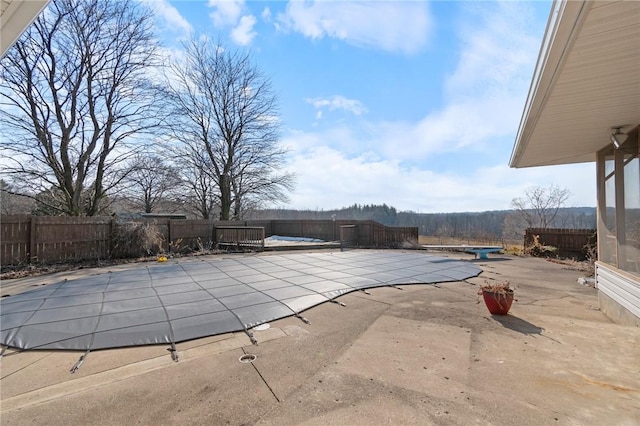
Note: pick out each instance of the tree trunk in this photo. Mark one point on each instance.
(225, 197)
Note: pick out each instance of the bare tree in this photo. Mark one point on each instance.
(12, 203)
(200, 197)
(75, 93)
(539, 207)
(152, 183)
(254, 182)
(226, 118)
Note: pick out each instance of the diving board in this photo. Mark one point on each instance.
(480, 251)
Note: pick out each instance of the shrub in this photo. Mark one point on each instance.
(135, 239)
(536, 249)
(591, 255)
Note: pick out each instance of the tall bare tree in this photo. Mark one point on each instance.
(225, 109)
(152, 183)
(539, 206)
(74, 95)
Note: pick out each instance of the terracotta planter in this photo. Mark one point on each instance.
(498, 303)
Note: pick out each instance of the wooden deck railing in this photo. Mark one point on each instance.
(239, 237)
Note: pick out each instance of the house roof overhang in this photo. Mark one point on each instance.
(15, 17)
(586, 81)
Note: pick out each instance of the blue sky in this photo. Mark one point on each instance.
(414, 104)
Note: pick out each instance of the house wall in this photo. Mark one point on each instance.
(618, 295)
(618, 267)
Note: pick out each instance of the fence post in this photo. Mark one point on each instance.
(33, 255)
(112, 235)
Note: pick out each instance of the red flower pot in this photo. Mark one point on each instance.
(498, 303)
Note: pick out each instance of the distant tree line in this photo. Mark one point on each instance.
(501, 224)
(506, 224)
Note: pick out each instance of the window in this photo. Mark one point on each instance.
(630, 240)
(619, 205)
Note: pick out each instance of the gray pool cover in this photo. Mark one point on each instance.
(166, 303)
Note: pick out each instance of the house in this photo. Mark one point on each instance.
(584, 106)
(15, 17)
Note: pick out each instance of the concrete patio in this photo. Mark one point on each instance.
(426, 354)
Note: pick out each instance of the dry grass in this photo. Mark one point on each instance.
(511, 247)
(585, 266)
(431, 239)
(513, 250)
(501, 287)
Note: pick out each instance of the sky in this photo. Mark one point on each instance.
(412, 104)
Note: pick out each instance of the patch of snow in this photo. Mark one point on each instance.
(294, 239)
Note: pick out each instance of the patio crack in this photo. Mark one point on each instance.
(263, 379)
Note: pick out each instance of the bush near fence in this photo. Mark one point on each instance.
(571, 243)
(28, 239)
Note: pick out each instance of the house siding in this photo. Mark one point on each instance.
(622, 289)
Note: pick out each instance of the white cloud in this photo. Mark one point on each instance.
(229, 13)
(225, 12)
(337, 102)
(244, 32)
(171, 18)
(391, 26)
(327, 178)
(484, 95)
(476, 124)
(497, 53)
(266, 14)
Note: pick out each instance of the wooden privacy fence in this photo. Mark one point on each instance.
(29, 239)
(571, 243)
(43, 239)
(373, 234)
(367, 233)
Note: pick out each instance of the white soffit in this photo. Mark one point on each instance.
(587, 80)
(15, 17)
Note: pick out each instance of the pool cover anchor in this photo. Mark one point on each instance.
(80, 361)
(337, 303)
(396, 287)
(303, 319)
(251, 337)
(365, 291)
(174, 352)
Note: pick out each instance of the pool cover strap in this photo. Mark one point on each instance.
(77, 365)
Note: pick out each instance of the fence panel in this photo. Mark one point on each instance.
(191, 233)
(397, 236)
(569, 242)
(348, 236)
(287, 228)
(326, 230)
(391, 236)
(59, 239)
(266, 224)
(15, 231)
